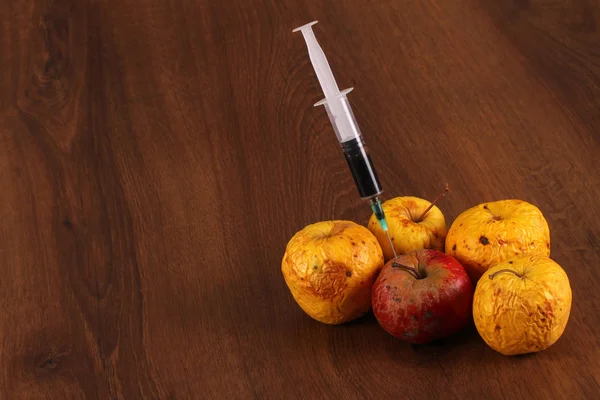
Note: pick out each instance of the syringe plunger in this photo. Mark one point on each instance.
(335, 102)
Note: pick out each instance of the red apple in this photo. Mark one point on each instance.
(422, 296)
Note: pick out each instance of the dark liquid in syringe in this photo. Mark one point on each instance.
(362, 169)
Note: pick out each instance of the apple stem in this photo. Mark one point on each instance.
(411, 270)
(446, 190)
(492, 276)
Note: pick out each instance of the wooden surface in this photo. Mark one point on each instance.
(156, 157)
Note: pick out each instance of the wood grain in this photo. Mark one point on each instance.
(157, 156)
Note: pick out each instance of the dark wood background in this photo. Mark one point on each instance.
(156, 156)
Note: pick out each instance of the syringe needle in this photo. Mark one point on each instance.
(391, 244)
(377, 208)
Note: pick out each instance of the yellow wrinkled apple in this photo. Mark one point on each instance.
(522, 305)
(329, 268)
(490, 233)
(406, 231)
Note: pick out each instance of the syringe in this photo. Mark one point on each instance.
(346, 129)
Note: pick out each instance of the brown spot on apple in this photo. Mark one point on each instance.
(483, 240)
(454, 247)
(410, 205)
(330, 281)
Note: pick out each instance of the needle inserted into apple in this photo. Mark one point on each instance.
(346, 128)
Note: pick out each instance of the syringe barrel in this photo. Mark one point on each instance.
(341, 117)
(361, 166)
(356, 154)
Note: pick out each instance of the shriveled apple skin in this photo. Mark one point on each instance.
(329, 267)
(524, 312)
(489, 233)
(422, 310)
(406, 234)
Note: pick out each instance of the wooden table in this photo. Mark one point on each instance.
(157, 156)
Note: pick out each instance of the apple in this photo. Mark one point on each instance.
(496, 231)
(413, 224)
(522, 305)
(329, 268)
(422, 296)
